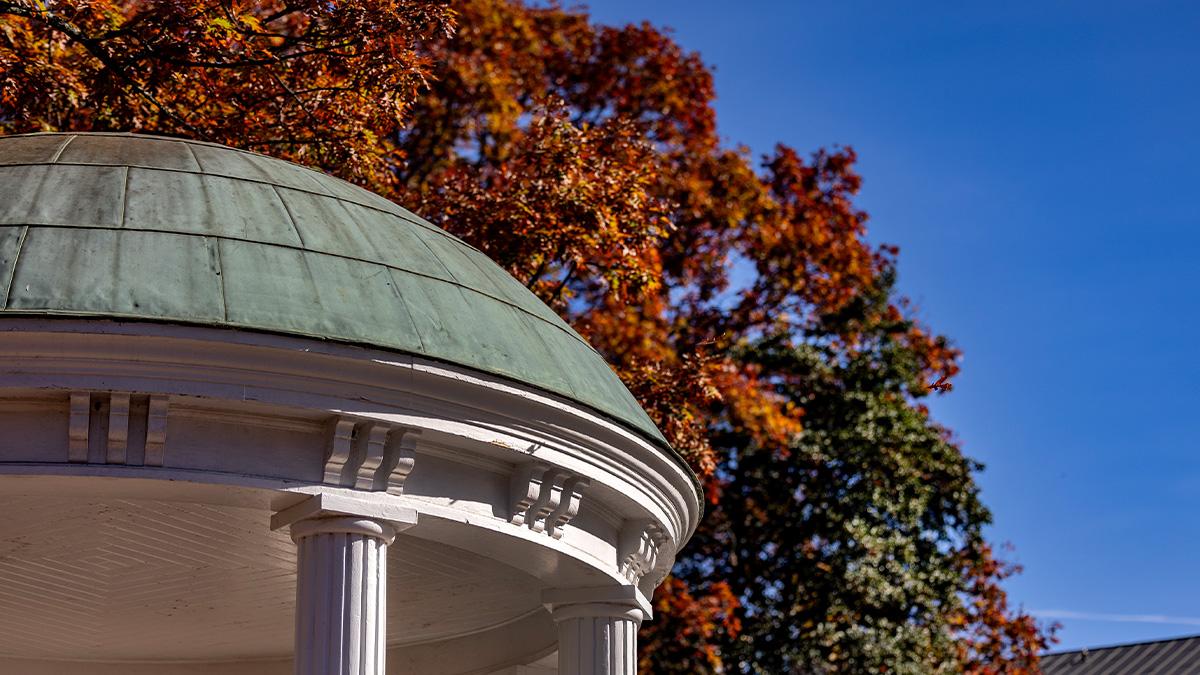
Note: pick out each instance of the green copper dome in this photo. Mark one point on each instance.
(137, 227)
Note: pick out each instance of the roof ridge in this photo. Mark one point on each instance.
(1123, 645)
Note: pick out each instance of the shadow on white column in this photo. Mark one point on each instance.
(597, 629)
(341, 585)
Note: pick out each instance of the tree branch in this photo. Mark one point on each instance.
(96, 49)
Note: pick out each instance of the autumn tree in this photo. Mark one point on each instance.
(310, 80)
(737, 297)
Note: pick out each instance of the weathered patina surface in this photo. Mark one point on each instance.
(140, 227)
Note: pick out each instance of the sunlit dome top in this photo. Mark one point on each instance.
(136, 227)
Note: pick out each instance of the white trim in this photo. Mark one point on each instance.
(311, 376)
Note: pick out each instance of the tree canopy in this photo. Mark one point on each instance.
(737, 297)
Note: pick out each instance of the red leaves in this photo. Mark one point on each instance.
(813, 243)
(942, 385)
(569, 209)
(995, 640)
(687, 626)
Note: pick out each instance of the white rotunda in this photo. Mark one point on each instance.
(254, 419)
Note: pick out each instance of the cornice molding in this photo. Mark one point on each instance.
(401, 407)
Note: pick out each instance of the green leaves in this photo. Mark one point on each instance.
(854, 549)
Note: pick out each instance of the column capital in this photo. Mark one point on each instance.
(367, 527)
(623, 602)
(339, 511)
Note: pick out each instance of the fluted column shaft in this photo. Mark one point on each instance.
(341, 595)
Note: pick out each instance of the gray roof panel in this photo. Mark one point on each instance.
(1179, 656)
(216, 160)
(61, 195)
(53, 273)
(155, 153)
(194, 203)
(35, 148)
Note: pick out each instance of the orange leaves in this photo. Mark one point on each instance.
(755, 410)
(28, 77)
(937, 357)
(568, 210)
(308, 80)
(688, 625)
(678, 395)
(640, 72)
(813, 243)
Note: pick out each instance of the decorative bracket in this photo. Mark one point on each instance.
(545, 498)
(638, 550)
(370, 455)
(77, 427)
(341, 439)
(118, 429)
(156, 431)
(399, 460)
(114, 424)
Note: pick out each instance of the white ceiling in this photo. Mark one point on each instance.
(121, 580)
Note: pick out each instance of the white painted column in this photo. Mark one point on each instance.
(597, 629)
(341, 595)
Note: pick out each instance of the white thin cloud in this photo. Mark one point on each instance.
(1119, 618)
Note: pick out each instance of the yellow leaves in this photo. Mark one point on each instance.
(238, 27)
(252, 21)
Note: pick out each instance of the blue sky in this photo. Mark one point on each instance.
(1037, 164)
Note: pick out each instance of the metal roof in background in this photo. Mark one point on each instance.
(1179, 656)
(131, 226)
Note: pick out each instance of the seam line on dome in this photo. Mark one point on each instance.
(291, 218)
(195, 158)
(179, 139)
(124, 199)
(328, 195)
(58, 153)
(222, 237)
(12, 275)
(432, 255)
(216, 249)
(391, 283)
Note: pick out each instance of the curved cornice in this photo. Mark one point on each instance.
(481, 418)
